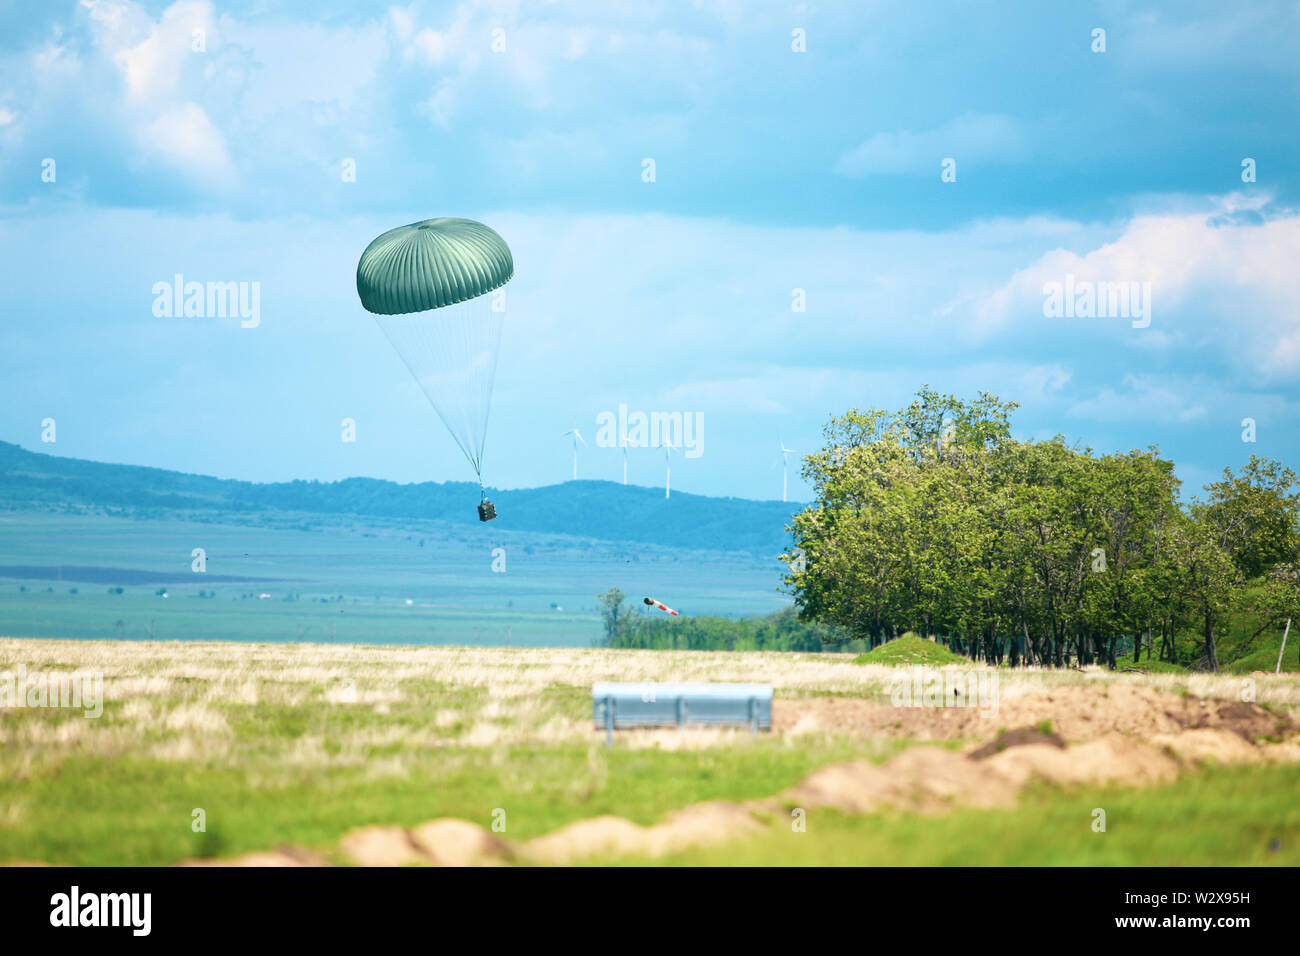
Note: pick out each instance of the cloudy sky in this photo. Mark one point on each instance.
(795, 147)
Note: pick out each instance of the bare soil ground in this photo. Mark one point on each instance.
(1074, 713)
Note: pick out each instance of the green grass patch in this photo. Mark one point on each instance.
(1150, 667)
(909, 649)
(1265, 658)
(137, 812)
(1238, 816)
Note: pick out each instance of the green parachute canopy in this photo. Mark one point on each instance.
(431, 264)
(428, 284)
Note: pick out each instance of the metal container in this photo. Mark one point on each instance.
(623, 706)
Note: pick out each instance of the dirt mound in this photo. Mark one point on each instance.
(451, 842)
(926, 779)
(701, 824)
(1209, 745)
(937, 779)
(1073, 713)
(1019, 737)
(856, 787)
(1248, 721)
(605, 836)
(1110, 760)
(1287, 752)
(280, 856)
(380, 846)
(933, 780)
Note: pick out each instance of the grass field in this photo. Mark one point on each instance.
(299, 744)
(1217, 817)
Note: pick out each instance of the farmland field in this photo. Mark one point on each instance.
(346, 581)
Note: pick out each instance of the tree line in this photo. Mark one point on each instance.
(934, 519)
(626, 627)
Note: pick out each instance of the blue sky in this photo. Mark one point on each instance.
(775, 170)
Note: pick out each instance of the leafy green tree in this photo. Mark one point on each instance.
(1208, 579)
(934, 519)
(1281, 597)
(1254, 515)
(613, 613)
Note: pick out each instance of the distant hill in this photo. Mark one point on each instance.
(592, 509)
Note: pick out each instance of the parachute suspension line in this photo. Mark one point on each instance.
(452, 354)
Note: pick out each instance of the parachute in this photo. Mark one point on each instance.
(428, 285)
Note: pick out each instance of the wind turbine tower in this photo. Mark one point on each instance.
(576, 438)
(624, 442)
(668, 448)
(785, 467)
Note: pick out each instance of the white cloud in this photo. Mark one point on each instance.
(1176, 398)
(1214, 283)
(634, 57)
(981, 137)
(762, 396)
(111, 14)
(1143, 398)
(154, 68)
(164, 84)
(425, 45)
(285, 67)
(260, 99)
(1043, 380)
(185, 137)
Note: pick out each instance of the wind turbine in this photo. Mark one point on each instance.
(576, 438)
(624, 443)
(785, 466)
(668, 448)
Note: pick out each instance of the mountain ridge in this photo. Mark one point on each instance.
(603, 510)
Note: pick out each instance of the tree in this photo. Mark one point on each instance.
(1254, 515)
(934, 519)
(898, 534)
(613, 613)
(1281, 595)
(1208, 579)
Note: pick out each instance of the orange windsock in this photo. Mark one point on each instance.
(663, 607)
